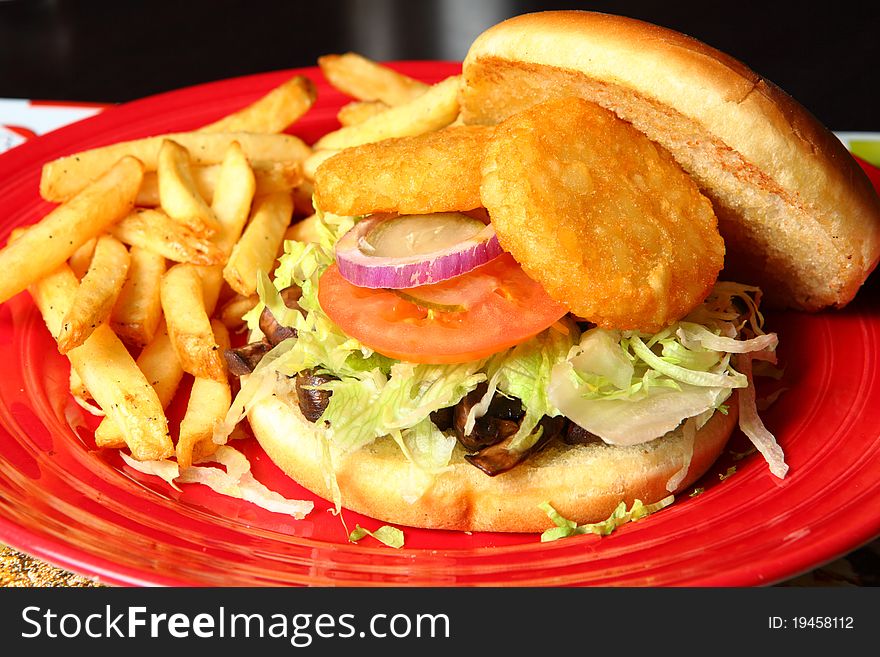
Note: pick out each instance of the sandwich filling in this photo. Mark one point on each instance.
(573, 381)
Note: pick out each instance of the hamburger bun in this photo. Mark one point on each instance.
(798, 215)
(583, 482)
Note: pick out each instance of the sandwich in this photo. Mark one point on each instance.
(555, 303)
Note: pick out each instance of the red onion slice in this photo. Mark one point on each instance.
(398, 252)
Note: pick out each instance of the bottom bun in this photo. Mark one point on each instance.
(583, 482)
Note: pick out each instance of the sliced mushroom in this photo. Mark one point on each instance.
(498, 458)
(501, 420)
(243, 360)
(274, 331)
(312, 402)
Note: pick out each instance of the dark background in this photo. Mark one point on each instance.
(824, 54)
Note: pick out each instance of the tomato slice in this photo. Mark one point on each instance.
(502, 307)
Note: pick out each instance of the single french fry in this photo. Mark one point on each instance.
(316, 159)
(233, 310)
(359, 111)
(82, 257)
(256, 249)
(156, 231)
(274, 112)
(183, 303)
(63, 178)
(234, 193)
(159, 364)
(270, 177)
(108, 372)
(178, 195)
(435, 109)
(365, 79)
(138, 309)
(208, 403)
(46, 245)
(77, 387)
(305, 230)
(97, 293)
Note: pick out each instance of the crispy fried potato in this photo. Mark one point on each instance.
(138, 309)
(232, 311)
(46, 245)
(63, 178)
(274, 112)
(159, 364)
(316, 159)
(435, 109)
(236, 185)
(305, 230)
(365, 79)
(178, 194)
(270, 177)
(108, 372)
(78, 389)
(435, 172)
(359, 111)
(156, 231)
(258, 246)
(186, 316)
(79, 261)
(97, 293)
(208, 403)
(636, 245)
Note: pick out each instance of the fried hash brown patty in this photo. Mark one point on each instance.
(600, 215)
(435, 172)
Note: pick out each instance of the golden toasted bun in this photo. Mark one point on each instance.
(583, 482)
(798, 215)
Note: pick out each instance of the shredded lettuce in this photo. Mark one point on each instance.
(363, 409)
(524, 373)
(236, 481)
(565, 527)
(386, 534)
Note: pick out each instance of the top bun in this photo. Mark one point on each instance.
(798, 215)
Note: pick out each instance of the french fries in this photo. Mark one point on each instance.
(178, 195)
(434, 109)
(183, 304)
(316, 159)
(305, 230)
(96, 294)
(232, 202)
(108, 372)
(208, 403)
(156, 231)
(273, 112)
(234, 309)
(138, 309)
(80, 259)
(158, 361)
(365, 79)
(157, 243)
(270, 177)
(45, 246)
(258, 246)
(63, 178)
(359, 111)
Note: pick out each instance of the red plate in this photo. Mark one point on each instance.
(63, 500)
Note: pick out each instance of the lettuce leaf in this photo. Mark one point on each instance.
(386, 534)
(565, 527)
